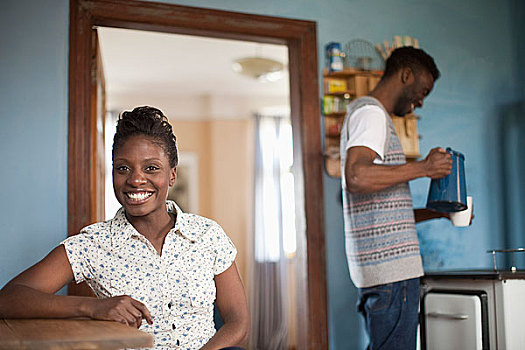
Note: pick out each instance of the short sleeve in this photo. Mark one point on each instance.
(224, 249)
(367, 127)
(78, 249)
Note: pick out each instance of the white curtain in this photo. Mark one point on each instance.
(111, 203)
(274, 241)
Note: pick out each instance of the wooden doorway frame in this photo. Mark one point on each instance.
(300, 38)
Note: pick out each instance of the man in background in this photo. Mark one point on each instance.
(382, 247)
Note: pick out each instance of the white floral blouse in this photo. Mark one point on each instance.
(177, 287)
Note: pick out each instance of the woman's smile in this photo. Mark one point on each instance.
(138, 197)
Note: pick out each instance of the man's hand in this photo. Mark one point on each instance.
(438, 163)
(123, 309)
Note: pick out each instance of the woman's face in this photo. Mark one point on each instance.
(142, 176)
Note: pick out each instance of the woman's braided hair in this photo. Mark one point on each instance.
(153, 124)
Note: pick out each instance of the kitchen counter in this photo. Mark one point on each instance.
(481, 307)
(477, 274)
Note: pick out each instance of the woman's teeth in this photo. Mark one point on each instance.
(138, 196)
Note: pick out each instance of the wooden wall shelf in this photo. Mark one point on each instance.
(339, 89)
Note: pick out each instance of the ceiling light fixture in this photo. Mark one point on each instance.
(260, 68)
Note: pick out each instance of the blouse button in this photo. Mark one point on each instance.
(173, 326)
(169, 305)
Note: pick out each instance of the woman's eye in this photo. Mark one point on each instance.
(122, 168)
(152, 168)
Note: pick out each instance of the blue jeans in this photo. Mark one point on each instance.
(391, 314)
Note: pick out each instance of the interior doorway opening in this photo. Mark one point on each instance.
(190, 79)
(300, 38)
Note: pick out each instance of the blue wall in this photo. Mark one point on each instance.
(33, 132)
(478, 45)
(513, 177)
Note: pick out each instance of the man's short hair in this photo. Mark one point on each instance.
(410, 57)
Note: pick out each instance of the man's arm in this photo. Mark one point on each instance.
(363, 176)
(424, 214)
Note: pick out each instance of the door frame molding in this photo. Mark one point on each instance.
(300, 38)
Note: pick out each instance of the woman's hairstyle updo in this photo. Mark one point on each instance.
(153, 124)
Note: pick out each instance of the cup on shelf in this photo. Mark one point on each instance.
(462, 218)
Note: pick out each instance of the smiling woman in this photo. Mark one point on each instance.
(151, 261)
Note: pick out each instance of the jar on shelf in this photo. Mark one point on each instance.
(334, 57)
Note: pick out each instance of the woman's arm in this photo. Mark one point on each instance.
(233, 307)
(32, 295)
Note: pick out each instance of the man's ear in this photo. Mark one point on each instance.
(406, 75)
(173, 176)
